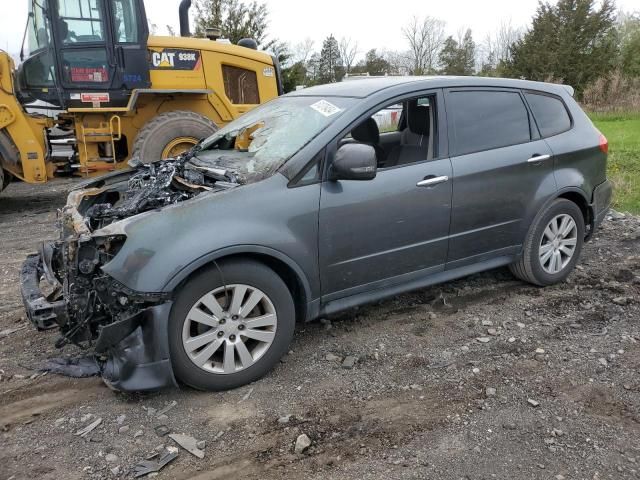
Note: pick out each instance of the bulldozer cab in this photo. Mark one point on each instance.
(84, 53)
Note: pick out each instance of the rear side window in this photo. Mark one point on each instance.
(483, 120)
(550, 114)
(240, 85)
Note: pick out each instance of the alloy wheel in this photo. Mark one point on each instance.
(558, 243)
(229, 329)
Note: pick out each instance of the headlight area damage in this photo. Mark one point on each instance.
(63, 285)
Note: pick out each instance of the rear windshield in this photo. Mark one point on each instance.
(261, 141)
(550, 114)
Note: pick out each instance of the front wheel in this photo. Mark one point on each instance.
(230, 326)
(553, 245)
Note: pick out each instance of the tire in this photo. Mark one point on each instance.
(9, 154)
(157, 135)
(6, 179)
(233, 274)
(531, 267)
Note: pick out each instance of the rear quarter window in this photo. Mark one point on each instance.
(550, 113)
(483, 120)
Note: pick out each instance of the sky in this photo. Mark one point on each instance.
(372, 23)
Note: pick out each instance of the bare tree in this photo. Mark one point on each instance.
(348, 52)
(425, 37)
(303, 50)
(496, 47)
(399, 62)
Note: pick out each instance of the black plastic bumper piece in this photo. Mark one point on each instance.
(137, 351)
(602, 195)
(44, 312)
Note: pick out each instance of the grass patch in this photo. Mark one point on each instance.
(623, 132)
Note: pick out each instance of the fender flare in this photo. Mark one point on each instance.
(577, 190)
(188, 269)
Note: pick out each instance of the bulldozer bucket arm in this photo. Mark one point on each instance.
(26, 133)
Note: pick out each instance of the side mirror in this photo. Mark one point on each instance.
(354, 161)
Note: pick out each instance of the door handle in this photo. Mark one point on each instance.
(538, 158)
(431, 181)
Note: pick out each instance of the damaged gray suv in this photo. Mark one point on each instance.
(195, 270)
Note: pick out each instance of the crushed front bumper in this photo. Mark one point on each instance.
(137, 351)
(44, 311)
(133, 352)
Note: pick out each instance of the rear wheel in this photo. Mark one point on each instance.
(229, 327)
(553, 245)
(171, 134)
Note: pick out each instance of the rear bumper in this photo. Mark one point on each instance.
(602, 196)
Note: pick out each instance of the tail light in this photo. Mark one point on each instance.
(604, 144)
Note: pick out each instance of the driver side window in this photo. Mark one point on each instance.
(80, 21)
(401, 133)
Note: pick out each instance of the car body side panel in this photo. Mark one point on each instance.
(388, 226)
(161, 246)
(495, 193)
(579, 164)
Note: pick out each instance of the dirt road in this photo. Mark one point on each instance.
(481, 378)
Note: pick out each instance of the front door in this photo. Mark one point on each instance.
(380, 232)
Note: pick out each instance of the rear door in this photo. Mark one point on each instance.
(502, 171)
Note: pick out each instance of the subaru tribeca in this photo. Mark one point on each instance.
(195, 270)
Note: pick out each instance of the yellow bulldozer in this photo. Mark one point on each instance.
(117, 92)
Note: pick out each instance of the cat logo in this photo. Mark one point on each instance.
(164, 59)
(174, 59)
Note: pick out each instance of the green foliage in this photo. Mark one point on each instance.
(375, 64)
(623, 133)
(293, 76)
(330, 68)
(236, 19)
(629, 33)
(571, 41)
(458, 58)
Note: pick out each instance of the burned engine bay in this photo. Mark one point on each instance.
(92, 309)
(66, 284)
(156, 185)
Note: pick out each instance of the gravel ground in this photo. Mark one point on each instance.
(480, 378)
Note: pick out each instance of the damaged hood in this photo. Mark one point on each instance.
(106, 201)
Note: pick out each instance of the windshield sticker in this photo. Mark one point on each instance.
(325, 108)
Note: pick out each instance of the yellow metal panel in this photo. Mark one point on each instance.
(210, 46)
(26, 132)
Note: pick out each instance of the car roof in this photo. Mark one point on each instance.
(365, 87)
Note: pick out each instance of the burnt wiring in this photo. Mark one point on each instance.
(86, 315)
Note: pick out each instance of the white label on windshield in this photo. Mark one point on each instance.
(325, 108)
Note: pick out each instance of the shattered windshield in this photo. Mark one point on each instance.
(261, 141)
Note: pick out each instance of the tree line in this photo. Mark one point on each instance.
(577, 42)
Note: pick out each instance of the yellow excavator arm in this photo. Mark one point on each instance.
(22, 136)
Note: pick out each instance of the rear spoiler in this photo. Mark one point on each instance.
(569, 89)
